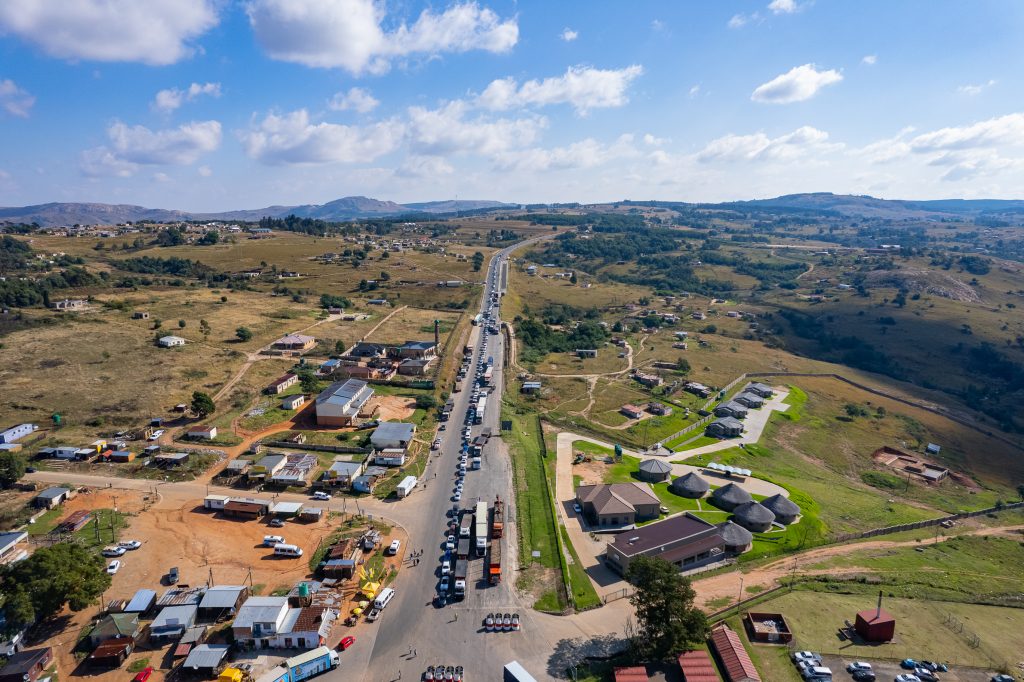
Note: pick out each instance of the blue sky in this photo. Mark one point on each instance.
(221, 104)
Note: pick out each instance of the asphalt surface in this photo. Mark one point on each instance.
(414, 631)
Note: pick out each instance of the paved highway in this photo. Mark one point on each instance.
(453, 634)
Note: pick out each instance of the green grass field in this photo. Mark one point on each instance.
(922, 628)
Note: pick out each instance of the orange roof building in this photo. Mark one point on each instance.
(697, 666)
(733, 656)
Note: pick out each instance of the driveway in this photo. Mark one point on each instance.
(753, 426)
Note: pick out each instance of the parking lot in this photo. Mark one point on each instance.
(886, 671)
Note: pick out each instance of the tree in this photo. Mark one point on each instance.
(38, 587)
(209, 239)
(384, 275)
(181, 324)
(425, 401)
(573, 279)
(339, 346)
(204, 327)
(308, 380)
(202, 404)
(683, 365)
(667, 619)
(385, 256)
(12, 468)
(478, 261)
(243, 334)
(157, 322)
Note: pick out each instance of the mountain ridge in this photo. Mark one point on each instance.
(357, 207)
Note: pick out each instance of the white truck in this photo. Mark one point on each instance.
(304, 666)
(406, 486)
(482, 534)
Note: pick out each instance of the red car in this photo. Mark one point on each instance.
(345, 643)
(144, 675)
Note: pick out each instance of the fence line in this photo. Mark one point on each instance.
(889, 530)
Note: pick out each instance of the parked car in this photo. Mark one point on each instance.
(445, 584)
(908, 664)
(449, 543)
(346, 642)
(321, 495)
(373, 615)
(1003, 678)
(907, 677)
(663, 509)
(113, 567)
(806, 656)
(130, 544)
(113, 551)
(515, 622)
(144, 674)
(506, 622)
(925, 674)
(276, 523)
(934, 667)
(489, 622)
(172, 576)
(858, 665)
(864, 676)
(394, 547)
(446, 567)
(155, 435)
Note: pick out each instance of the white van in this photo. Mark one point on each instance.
(272, 540)
(287, 550)
(385, 596)
(393, 548)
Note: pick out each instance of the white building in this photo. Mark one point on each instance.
(171, 341)
(342, 401)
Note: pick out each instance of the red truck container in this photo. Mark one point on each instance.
(498, 522)
(494, 565)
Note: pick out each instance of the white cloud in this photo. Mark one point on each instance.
(741, 20)
(869, 59)
(995, 132)
(161, 177)
(154, 32)
(796, 85)
(658, 25)
(349, 33)
(584, 88)
(356, 99)
(653, 141)
(694, 91)
(172, 98)
(759, 147)
(587, 153)
(205, 171)
(134, 146)
(424, 167)
(447, 130)
(784, 6)
(975, 89)
(569, 35)
(887, 150)
(292, 139)
(14, 100)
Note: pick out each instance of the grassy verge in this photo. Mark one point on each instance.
(103, 529)
(47, 522)
(537, 532)
(584, 596)
(681, 444)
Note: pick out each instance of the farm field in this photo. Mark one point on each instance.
(409, 324)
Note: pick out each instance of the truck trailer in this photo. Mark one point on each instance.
(494, 565)
(461, 568)
(466, 527)
(481, 528)
(498, 521)
(303, 666)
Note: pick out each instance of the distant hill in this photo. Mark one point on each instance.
(346, 208)
(866, 206)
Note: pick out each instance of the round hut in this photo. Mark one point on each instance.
(785, 509)
(690, 485)
(730, 496)
(737, 538)
(754, 516)
(655, 470)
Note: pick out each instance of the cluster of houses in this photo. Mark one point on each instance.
(253, 508)
(383, 361)
(733, 662)
(185, 617)
(730, 414)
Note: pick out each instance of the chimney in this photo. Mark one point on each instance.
(878, 612)
(437, 333)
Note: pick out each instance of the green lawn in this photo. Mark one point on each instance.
(104, 528)
(683, 443)
(584, 596)
(964, 568)
(47, 522)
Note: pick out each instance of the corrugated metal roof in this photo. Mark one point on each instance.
(735, 659)
(221, 597)
(259, 610)
(634, 674)
(142, 600)
(206, 656)
(697, 666)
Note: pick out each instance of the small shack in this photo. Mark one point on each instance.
(697, 666)
(75, 521)
(116, 625)
(733, 657)
(26, 666)
(142, 602)
(205, 659)
(246, 508)
(875, 625)
(112, 653)
(51, 497)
